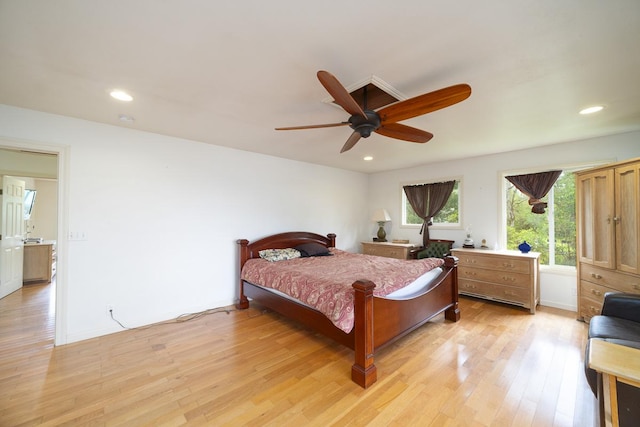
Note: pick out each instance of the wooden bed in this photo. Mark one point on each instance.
(378, 321)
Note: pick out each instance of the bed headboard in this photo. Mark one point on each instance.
(282, 241)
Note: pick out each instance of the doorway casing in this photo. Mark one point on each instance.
(62, 152)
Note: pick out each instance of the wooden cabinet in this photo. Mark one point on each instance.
(596, 238)
(627, 217)
(505, 276)
(389, 250)
(38, 263)
(608, 233)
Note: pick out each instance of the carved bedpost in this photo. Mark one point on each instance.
(363, 372)
(243, 302)
(453, 313)
(332, 239)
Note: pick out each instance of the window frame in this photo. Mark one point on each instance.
(504, 183)
(435, 225)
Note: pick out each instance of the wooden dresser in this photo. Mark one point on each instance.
(608, 233)
(389, 250)
(505, 276)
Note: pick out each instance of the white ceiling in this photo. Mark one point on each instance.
(228, 72)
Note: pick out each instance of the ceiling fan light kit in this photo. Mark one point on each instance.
(364, 121)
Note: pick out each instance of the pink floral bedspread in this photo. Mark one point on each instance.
(324, 282)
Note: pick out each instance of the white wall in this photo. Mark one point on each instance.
(481, 206)
(44, 218)
(162, 216)
(29, 164)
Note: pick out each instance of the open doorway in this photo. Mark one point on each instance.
(40, 167)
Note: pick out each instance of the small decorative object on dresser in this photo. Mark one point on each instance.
(468, 242)
(524, 247)
(505, 276)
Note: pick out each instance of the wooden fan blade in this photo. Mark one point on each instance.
(424, 104)
(405, 133)
(339, 93)
(328, 125)
(355, 137)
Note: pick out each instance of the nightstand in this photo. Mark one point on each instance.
(390, 250)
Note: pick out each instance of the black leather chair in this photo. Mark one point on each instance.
(619, 323)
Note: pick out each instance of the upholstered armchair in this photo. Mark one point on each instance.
(618, 323)
(436, 249)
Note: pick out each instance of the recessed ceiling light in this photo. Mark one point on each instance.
(121, 95)
(592, 109)
(368, 158)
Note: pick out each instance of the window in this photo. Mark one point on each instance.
(553, 234)
(448, 217)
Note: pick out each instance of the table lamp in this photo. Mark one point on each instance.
(381, 216)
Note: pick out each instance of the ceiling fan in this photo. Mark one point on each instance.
(384, 121)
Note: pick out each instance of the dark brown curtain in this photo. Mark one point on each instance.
(427, 200)
(536, 186)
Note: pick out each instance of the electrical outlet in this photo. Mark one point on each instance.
(109, 310)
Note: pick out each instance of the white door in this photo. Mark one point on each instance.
(11, 239)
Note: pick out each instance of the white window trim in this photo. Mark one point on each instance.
(434, 226)
(503, 182)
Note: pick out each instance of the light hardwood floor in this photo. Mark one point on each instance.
(498, 366)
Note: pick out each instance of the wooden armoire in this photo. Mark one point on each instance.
(608, 233)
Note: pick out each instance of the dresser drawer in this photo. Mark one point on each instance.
(500, 277)
(589, 307)
(592, 295)
(494, 263)
(389, 250)
(617, 281)
(593, 291)
(386, 252)
(519, 296)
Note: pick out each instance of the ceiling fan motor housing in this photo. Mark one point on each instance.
(365, 125)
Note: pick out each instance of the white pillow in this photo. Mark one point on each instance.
(279, 254)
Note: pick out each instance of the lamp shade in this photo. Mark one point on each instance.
(381, 215)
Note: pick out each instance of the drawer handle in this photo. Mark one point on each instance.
(596, 292)
(507, 265)
(594, 310)
(470, 273)
(469, 286)
(470, 261)
(596, 276)
(510, 293)
(508, 279)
